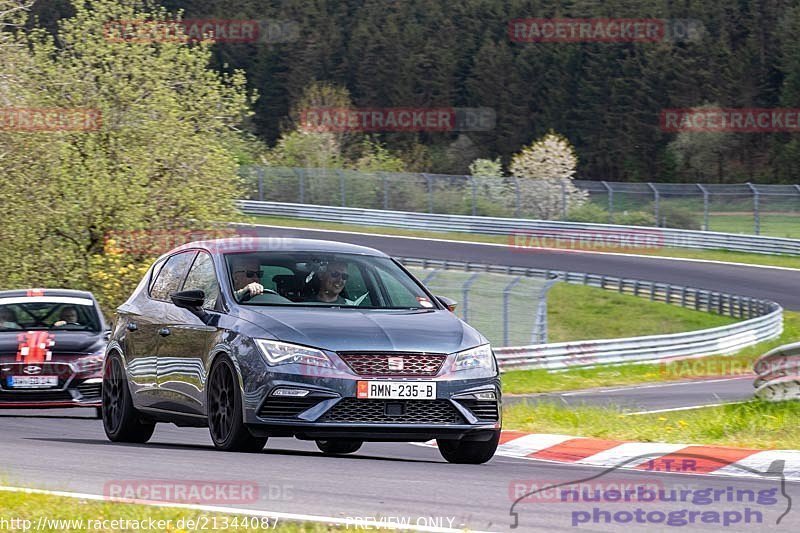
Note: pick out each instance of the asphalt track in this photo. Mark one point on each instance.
(67, 450)
(652, 397)
(62, 450)
(772, 284)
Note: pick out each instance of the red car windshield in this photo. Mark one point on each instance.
(48, 313)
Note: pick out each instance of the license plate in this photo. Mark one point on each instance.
(397, 390)
(32, 382)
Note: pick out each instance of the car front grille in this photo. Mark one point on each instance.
(286, 408)
(27, 396)
(90, 391)
(482, 409)
(352, 410)
(393, 363)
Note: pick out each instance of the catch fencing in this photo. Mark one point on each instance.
(759, 320)
(778, 374)
(732, 208)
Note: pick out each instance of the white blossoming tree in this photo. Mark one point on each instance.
(545, 171)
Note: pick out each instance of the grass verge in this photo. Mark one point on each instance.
(59, 514)
(755, 424)
(573, 311)
(533, 381)
(710, 255)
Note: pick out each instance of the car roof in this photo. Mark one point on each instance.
(278, 244)
(31, 293)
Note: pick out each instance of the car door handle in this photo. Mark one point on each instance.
(164, 332)
(132, 326)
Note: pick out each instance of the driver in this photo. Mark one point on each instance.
(68, 315)
(246, 278)
(8, 319)
(331, 283)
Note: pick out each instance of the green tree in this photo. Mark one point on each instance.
(158, 160)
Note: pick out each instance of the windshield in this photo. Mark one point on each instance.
(65, 313)
(324, 280)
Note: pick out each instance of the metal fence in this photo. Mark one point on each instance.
(778, 374)
(520, 232)
(760, 320)
(735, 208)
(510, 310)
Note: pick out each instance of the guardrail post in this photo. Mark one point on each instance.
(301, 173)
(341, 187)
(474, 196)
(705, 206)
(260, 183)
(668, 294)
(610, 202)
(539, 335)
(385, 191)
(683, 296)
(636, 287)
(506, 293)
(652, 292)
(756, 212)
(656, 201)
(465, 295)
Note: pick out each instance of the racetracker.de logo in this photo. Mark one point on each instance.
(556, 491)
(235, 31)
(197, 492)
(50, 119)
(603, 30)
(396, 119)
(586, 240)
(720, 120)
(156, 242)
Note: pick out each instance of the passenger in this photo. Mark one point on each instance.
(8, 319)
(68, 316)
(245, 270)
(331, 283)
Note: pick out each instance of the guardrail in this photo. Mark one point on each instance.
(761, 320)
(609, 234)
(778, 374)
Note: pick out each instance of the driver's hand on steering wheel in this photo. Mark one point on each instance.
(250, 290)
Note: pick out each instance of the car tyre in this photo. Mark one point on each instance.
(225, 417)
(339, 446)
(121, 421)
(470, 452)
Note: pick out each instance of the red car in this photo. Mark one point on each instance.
(52, 344)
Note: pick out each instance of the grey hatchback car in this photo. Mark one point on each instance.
(318, 340)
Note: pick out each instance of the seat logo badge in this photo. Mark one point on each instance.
(31, 369)
(395, 363)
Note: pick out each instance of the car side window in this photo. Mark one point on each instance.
(203, 277)
(171, 276)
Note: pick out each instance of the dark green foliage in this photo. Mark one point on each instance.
(604, 97)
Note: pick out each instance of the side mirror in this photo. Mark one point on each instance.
(107, 335)
(191, 300)
(449, 303)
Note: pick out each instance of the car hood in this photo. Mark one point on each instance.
(57, 342)
(421, 330)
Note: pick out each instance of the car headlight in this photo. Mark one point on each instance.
(283, 353)
(91, 363)
(479, 357)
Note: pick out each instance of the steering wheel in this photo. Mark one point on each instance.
(249, 295)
